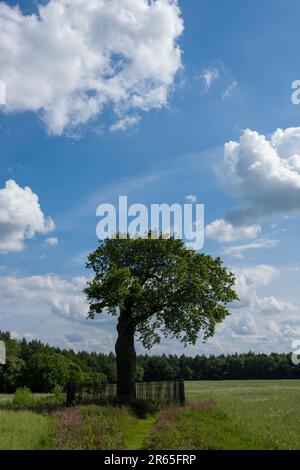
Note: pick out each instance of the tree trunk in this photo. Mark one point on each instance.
(126, 357)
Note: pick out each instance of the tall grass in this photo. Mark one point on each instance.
(200, 426)
(24, 430)
(262, 411)
(93, 427)
(218, 415)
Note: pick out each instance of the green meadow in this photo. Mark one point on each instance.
(218, 415)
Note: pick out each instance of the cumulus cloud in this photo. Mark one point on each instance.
(248, 279)
(61, 296)
(262, 274)
(257, 322)
(245, 325)
(224, 231)
(264, 172)
(73, 59)
(21, 217)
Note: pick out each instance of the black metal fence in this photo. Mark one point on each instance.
(171, 392)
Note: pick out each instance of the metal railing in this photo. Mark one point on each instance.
(166, 392)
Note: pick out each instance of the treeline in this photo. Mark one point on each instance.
(43, 368)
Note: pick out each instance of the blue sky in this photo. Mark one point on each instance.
(236, 66)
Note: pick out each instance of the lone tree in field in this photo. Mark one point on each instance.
(156, 286)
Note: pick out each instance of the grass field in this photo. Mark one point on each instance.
(265, 412)
(24, 430)
(218, 415)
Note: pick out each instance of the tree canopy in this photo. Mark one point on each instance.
(168, 288)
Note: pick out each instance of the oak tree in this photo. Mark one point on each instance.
(156, 287)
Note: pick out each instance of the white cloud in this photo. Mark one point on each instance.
(28, 336)
(273, 328)
(229, 90)
(258, 322)
(271, 305)
(262, 274)
(265, 173)
(52, 241)
(238, 250)
(21, 217)
(125, 123)
(248, 279)
(219, 72)
(244, 325)
(75, 57)
(224, 231)
(208, 76)
(54, 310)
(61, 296)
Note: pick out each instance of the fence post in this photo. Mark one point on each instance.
(70, 394)
(175, 392)
(181, 392)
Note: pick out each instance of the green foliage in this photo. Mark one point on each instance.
(161, 284)
(76, 374)
(160, 368)
(139, 373)
(47, 370)
(12, 372)
(24, 398)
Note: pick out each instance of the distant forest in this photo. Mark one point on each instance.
(43, 368)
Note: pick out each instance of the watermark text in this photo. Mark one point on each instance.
(182, 221)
